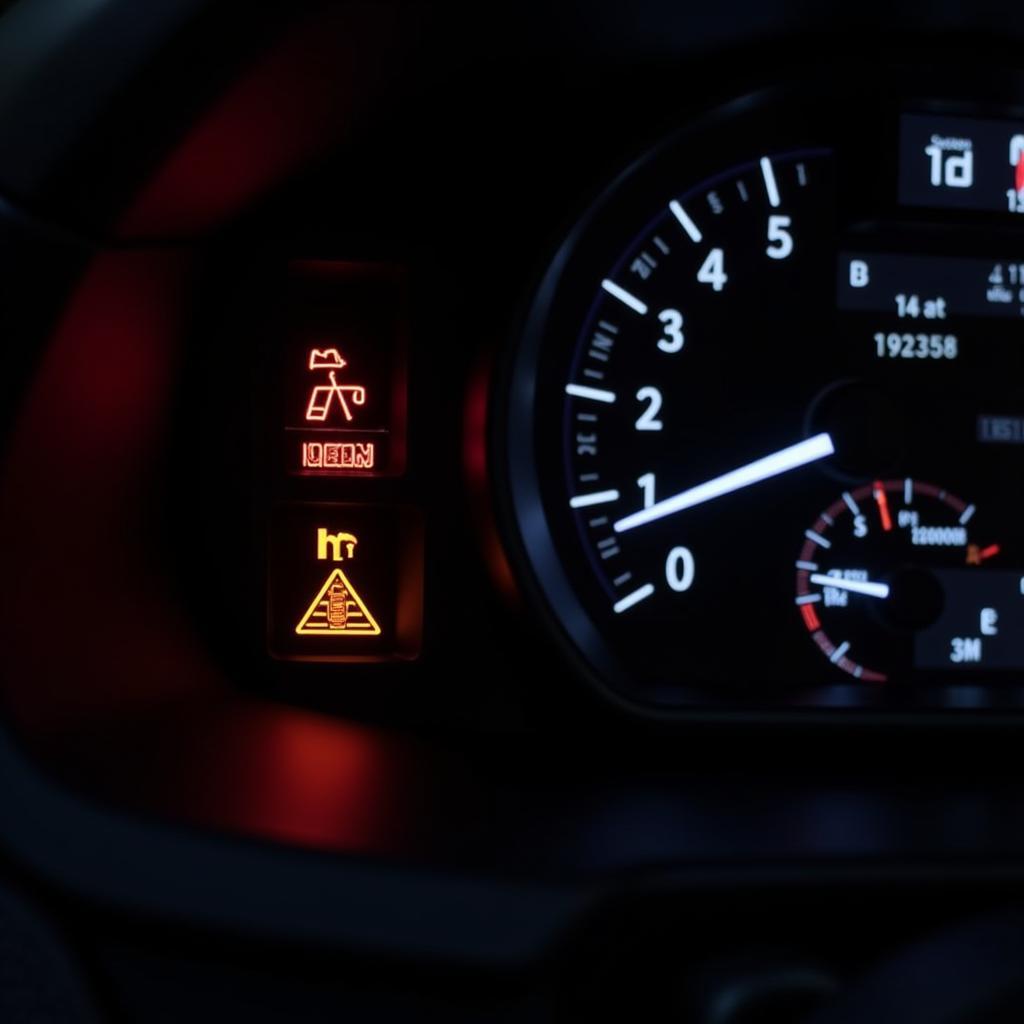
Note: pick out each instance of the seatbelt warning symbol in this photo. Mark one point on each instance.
(337, 609)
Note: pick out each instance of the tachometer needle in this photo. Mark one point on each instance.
(854, 586)
(818, 447)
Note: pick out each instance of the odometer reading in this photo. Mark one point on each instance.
(916, 346)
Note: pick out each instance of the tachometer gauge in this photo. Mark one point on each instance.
(786, 304)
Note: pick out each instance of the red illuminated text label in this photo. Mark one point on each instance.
(338, 455)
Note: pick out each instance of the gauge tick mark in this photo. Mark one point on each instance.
(684, 219)
(839, 653)
(595, 394)
(596, 498)
(638, 595)
(770, 185)
(626, 298)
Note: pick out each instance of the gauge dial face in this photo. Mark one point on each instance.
(874, 571)
(747, 330)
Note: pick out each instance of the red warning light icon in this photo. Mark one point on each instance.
(337, 609)
(338, 455)
(323, 397)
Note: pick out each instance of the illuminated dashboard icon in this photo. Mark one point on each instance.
(341, 455)
(345, 582)
(343, 370)
(337, 610)
(322, 396)
(326, 359)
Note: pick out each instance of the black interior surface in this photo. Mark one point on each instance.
(189, 827)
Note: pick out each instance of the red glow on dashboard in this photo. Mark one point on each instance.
(286, 108)
(273, 772)
(99, 665)
(1020, 174)
(475, 466)
(309, 780)
(79, 461)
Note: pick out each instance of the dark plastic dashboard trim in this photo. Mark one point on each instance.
(270, 891)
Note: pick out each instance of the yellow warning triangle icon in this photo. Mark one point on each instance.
(337, 611)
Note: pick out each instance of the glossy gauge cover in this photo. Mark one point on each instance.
(786, 345)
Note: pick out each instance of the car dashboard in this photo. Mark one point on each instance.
(512, 515)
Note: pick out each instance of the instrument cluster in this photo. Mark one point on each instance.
(762, 440)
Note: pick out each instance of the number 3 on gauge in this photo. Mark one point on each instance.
(679, 568)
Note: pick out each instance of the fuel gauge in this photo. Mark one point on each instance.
(896, 576)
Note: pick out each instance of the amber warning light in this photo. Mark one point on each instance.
(346, 582)
(337, 609)
(345, 373)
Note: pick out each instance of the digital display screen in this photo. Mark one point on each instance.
(1001, 429)
(981, 624)
(344, 371)
(930, 289)
(962, 163)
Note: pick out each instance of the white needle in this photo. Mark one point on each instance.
(818, 447)
(854, 586)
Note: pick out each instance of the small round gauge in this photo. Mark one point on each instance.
(804, 302)
(874, 571)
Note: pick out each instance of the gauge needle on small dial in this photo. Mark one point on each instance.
(818, 447)
(882, 500)
(854, 586)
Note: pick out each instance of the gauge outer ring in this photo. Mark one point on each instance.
(522, 518)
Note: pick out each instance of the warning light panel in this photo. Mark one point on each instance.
(345, 373)
(345, 582)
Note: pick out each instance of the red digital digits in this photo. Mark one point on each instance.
(338, 455)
